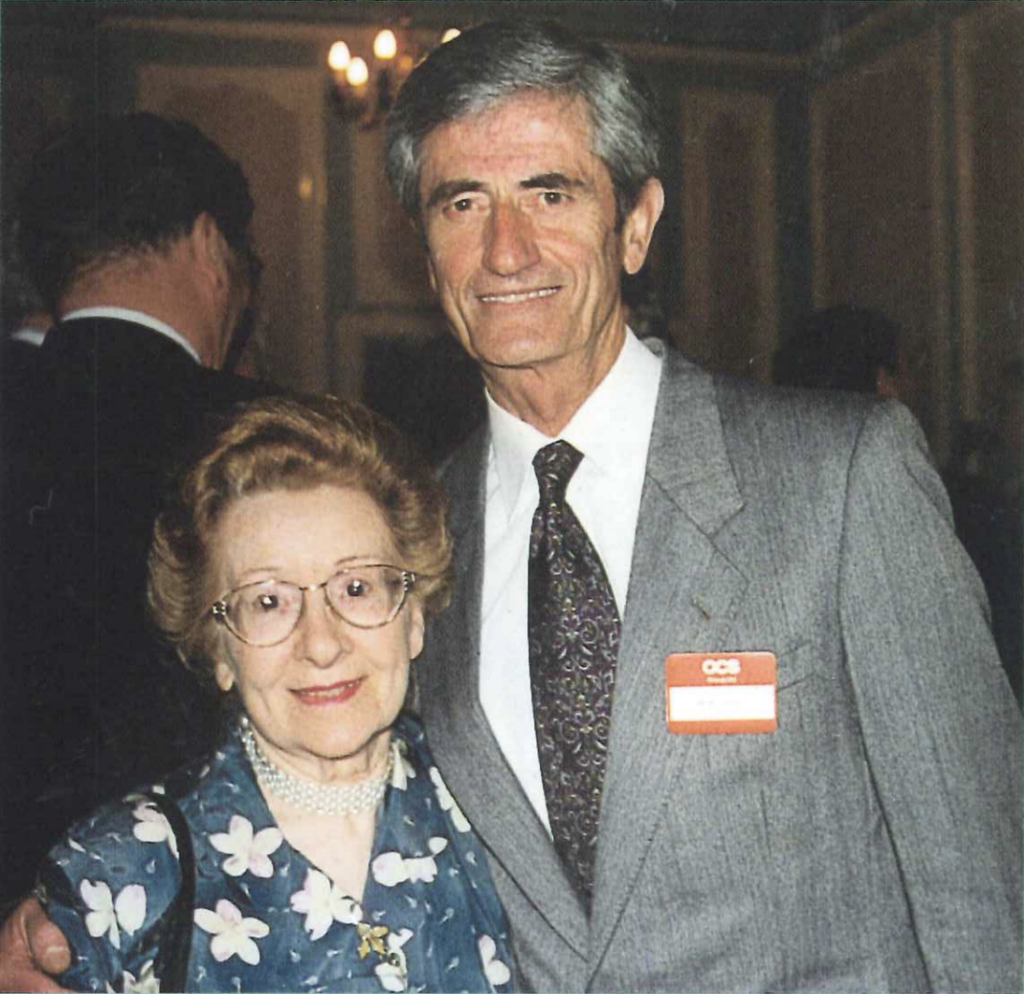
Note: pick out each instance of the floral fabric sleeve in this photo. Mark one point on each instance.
(107, 885)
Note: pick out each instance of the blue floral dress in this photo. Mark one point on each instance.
(267, 919)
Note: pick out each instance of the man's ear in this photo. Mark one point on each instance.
(638, 228)
(210, 250)
(430, 272)
(419, 225)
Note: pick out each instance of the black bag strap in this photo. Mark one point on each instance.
(172, 957)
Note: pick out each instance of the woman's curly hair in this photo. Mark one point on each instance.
(281, 443)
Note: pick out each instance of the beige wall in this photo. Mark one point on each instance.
(917, 187)
(728, 319)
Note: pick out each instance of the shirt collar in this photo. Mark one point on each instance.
(29, 336)
(614, 420)
(137, 317)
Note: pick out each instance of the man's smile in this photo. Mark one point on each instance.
(519, 297)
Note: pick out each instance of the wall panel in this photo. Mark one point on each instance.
(989, 209)
(878, 209)
(728, 315)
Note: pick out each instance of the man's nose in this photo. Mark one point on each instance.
(511, 246)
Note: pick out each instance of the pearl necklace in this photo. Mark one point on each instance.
(321, 799)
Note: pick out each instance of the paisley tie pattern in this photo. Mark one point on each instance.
(574, 638)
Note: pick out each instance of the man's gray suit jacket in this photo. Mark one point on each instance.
(873, 842)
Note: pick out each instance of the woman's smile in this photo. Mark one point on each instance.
(335, 693)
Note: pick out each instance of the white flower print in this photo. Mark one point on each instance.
(389, 869)
(425, 867)
(392, 868)
(245, 850)
(403, 770)
(232, 934)
(106, 913)
(497, 973)
(153, 826)
(323, 903)
(447, 802)
(393, 973)
(147, 983)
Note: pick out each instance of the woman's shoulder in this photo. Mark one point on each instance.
(121, 832)
(108, 884)
(130, 848)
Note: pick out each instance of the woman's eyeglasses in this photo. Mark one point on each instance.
(266, 613)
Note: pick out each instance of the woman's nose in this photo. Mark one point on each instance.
(322, 635)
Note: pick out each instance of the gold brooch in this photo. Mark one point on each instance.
(372, 939)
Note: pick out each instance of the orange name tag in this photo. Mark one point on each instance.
(720, 693)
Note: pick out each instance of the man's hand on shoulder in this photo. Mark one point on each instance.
(32, 950)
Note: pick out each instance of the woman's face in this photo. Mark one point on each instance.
(330, 691)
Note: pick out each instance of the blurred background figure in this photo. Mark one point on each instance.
(135, 231)
(843, 348)
(984, 484)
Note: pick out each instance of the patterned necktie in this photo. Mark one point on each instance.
(574, 638)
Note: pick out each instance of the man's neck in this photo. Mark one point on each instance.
(158, 286)
(547, 395)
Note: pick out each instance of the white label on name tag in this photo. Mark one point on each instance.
(733, 703)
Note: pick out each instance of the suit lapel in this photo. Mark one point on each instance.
(467, 752)
(682, 595)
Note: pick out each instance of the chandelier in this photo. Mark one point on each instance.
(363, 89)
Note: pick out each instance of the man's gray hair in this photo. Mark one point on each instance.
(498, 60)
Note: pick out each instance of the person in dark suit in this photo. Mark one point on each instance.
(843, 348)
(135, 230)
(25, 319)
(873, 840)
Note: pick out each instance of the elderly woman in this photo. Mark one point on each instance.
(318, 847)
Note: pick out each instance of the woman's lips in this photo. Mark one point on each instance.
(335, 693)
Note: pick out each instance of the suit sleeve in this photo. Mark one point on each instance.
(942, 734)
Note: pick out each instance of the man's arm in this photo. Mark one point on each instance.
(32, 950)
(941, 729)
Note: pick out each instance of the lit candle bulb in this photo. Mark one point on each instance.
(338, 58)
(357, 73)
(385, 45)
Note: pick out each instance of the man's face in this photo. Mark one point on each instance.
(519, 219)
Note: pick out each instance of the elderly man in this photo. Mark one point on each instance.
(136, 232)
(873, 840)
(630, 531)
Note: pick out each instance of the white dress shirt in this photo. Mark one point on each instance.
(613, 430)
(137, 317)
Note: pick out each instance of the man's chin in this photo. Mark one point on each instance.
(511, 347)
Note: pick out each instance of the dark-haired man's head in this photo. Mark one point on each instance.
(110, 204)
(842, 348)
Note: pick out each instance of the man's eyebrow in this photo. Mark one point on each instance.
(551, 181)
(448, 189)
